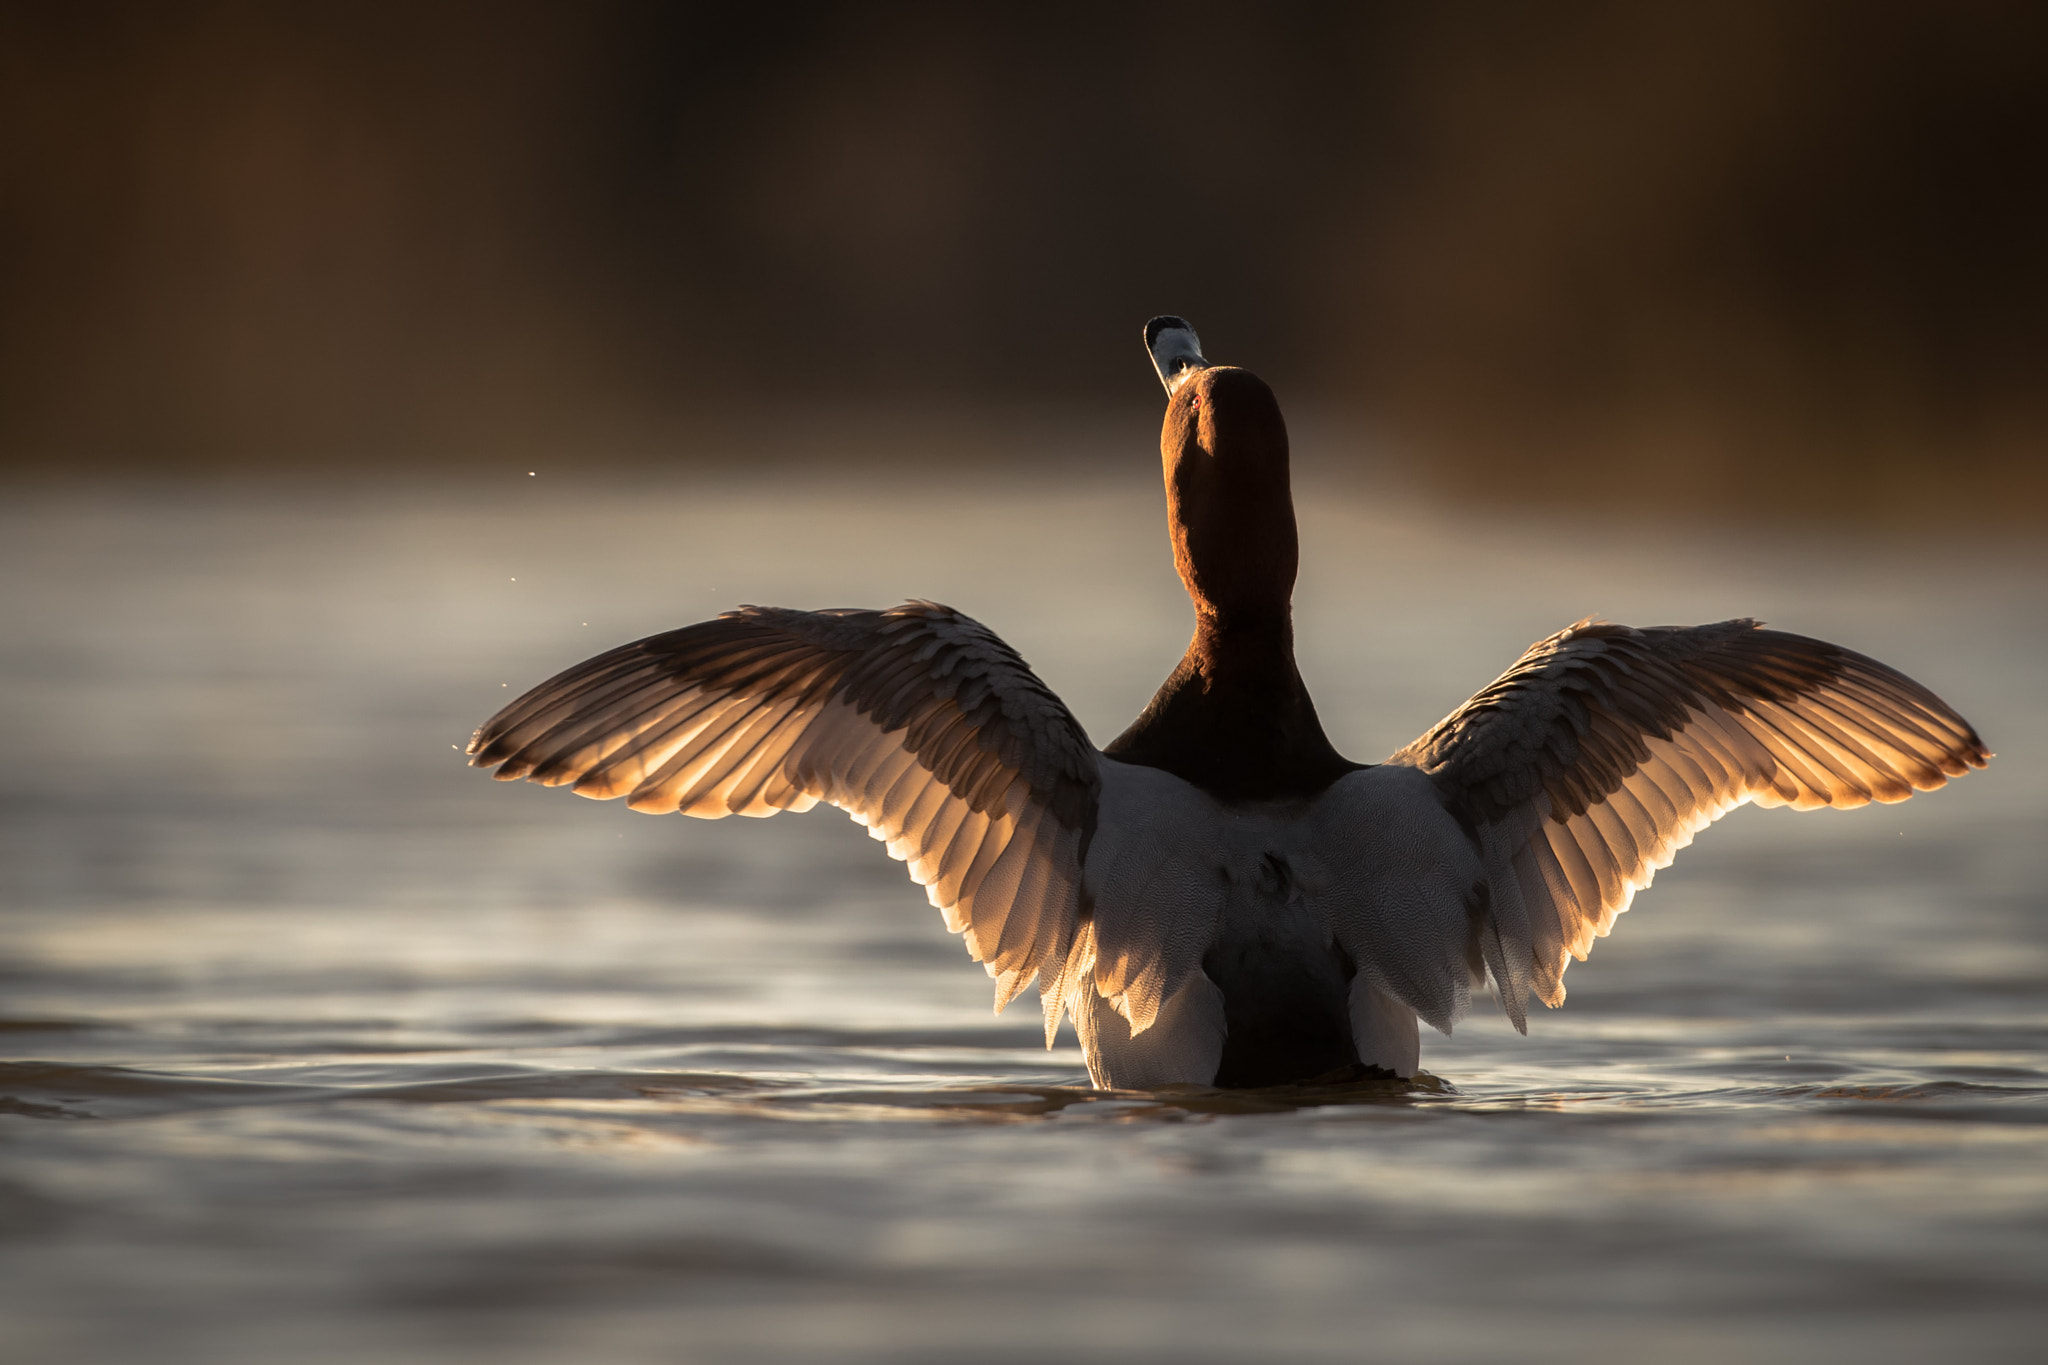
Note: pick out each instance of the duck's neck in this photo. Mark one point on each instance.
(1233, 718)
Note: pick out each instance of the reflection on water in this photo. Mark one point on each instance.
(323, 1047)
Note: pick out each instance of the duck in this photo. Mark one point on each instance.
(1218, 897)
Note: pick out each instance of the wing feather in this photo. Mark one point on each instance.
(617, 737)
(951, 863)
(927, 859)
(616, 753)
(1629, 806)
(1612, 832)
(991, 910)
(1584, 768)
(704, 782)
(682, 761)
(917, 721)
(1583, 881)
(1004, 880)
(746, 792)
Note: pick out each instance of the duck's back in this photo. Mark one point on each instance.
(1245, 944)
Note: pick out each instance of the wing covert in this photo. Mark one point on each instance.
(919, 722)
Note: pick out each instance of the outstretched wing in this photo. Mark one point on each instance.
(917, 721)
(1581, 770)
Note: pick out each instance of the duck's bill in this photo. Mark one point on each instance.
(1176, 350)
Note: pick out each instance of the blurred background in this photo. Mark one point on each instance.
(363, 364)
(1778, 258)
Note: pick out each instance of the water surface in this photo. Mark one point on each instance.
(323, 1047)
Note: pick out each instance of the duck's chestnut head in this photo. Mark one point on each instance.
(1224, 451)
